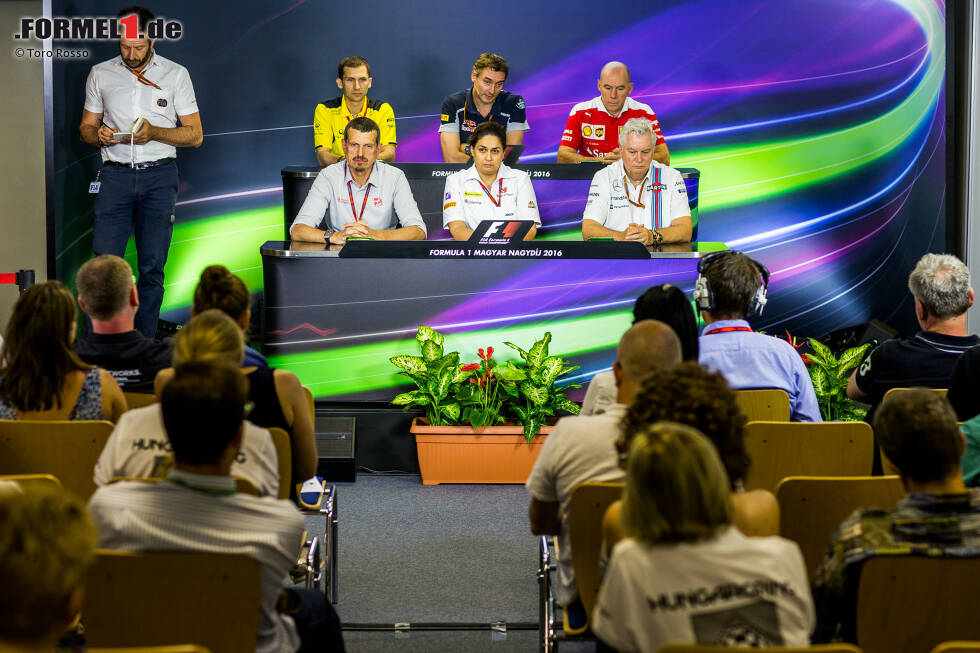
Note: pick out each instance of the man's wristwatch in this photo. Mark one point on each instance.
(466, 150)
(327, 234)
(656, 237)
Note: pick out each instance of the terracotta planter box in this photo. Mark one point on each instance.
(462, 454)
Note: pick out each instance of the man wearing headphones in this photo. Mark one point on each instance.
(730, 287)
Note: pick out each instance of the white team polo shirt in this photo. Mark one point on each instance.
(121, 98)
(466, 200)
(388, 195)
(664, 198)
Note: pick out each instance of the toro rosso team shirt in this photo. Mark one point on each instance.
(459, 113)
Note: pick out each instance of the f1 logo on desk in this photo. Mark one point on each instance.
(500, 232)
(509, 229)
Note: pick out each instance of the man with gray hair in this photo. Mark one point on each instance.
(940, 285)
(107, 295)
(583, 448)
(636, 198)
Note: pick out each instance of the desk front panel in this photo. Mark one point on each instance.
(335, 322)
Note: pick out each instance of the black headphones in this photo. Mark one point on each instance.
(705, 298)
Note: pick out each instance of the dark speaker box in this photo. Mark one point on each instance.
(335, 447)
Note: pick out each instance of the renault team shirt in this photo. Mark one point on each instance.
(658, 201)
(591, 131)
(118, 94)
(459, 113)
(330, 119)
(509, 197)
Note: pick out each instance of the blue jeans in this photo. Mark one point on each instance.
(140, 202)
(316, 621)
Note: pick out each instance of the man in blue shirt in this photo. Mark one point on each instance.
(730, 287)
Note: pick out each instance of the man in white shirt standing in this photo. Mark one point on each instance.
(636, 198)
(137, 184)
(363, 196)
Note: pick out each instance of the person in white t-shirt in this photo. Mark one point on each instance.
(685, 574)
(636, 198)
(488, 190)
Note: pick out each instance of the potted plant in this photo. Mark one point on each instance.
(485, 421)
(829, 375)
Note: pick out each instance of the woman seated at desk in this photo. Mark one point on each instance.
(488, 190)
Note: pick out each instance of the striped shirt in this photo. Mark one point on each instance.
(191, 512)
(660, 199)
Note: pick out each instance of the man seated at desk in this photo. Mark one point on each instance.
(363, 196)
(488, 190)
(637, 198)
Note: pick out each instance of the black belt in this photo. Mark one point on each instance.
(139, 166)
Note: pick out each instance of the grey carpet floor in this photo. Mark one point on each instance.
(445, 553)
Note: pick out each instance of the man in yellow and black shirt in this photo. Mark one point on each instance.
(331, 116)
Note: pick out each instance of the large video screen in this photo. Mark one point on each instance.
(818, 126)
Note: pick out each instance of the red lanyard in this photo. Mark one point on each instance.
(143, 80)
(350, 194)
(500, 191)
(727, 330)
(639, 200)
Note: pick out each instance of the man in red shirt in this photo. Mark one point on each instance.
(592, 130)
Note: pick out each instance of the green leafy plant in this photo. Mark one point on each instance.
(829, 375)
(437, 376)
(539, 398)
(485, 393)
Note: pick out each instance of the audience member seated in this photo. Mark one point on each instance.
(940, 285)
(138, 446)
(685, 574)
(671, 306)
(689, 394)
(107, 294)
(938, 516)
(47, 544)
(41, 376)
(730, 288)
(278, 398)
(581, 448)
(964, 385)
(197, 508)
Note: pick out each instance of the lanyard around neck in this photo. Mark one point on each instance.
(350, 194)
(500, 191)
(639, 200)
(727, 330)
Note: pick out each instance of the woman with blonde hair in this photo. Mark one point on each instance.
(685, 574)
(276, 395)
(41, 376)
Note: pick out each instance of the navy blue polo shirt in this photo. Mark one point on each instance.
(459, 113)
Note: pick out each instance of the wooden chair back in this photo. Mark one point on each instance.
(139, 399)
(155, 599)
(957, 647)
(897, 391)
(67, 450)
(310, 402)
(174, 648)
(909, 604)
(34, 482)
(770, 404)
(284, 452)
(705, 648)
(812, 508)
(586, 508)
(781, 449)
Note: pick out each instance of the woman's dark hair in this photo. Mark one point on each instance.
(671, 306)
(689, 394)
(37, 350)
(219, 288)
(488, 128)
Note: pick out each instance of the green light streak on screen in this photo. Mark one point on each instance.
(360, 368)
(745, 173)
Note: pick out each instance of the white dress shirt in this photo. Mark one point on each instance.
(662, 194)
(121, 98)
(388, 196)
(466, 200)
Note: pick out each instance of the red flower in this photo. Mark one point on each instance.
(470, 367)
(481, 354)
(486, 355)
(489, 352)
(807, 360)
